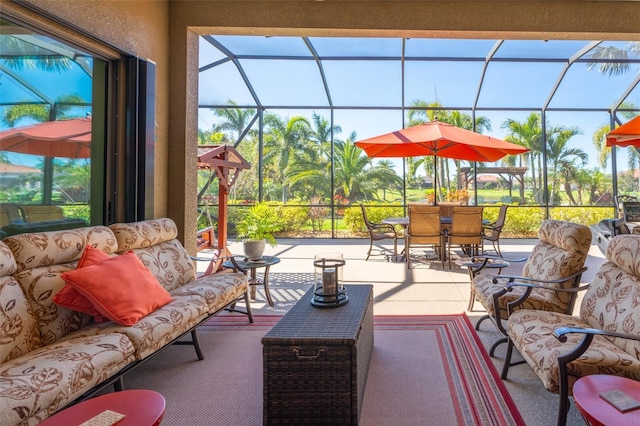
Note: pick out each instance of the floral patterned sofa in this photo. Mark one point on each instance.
(51, 356)
(604, 339)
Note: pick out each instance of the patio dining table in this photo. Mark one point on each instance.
(404, 221)
(445, 223)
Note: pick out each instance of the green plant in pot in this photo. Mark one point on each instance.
(256, 228)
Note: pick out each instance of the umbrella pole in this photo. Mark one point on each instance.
(436, 192)
(47, 184)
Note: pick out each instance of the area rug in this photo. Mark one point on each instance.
(425, 370)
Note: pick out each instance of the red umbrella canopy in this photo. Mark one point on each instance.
(439, 139)
(626, 135)
(63, 138)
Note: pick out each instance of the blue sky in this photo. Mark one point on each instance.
(451, 81)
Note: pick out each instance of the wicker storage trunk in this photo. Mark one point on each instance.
(315, 362)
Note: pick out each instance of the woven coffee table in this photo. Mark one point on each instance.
(315, 361)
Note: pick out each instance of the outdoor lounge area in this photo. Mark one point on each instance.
(426, 289)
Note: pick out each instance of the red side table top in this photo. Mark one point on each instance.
(597, 411)
(141, 408)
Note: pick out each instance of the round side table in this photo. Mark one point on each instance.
(250, 266)
(595, 410)
(141, 407)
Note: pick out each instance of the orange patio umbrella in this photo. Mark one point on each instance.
(626, 135)
(440, 140)
(63, 138)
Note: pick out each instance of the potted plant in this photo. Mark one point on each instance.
(256, 228)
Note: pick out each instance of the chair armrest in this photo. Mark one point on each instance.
(526, 281)
(534, 283)
(492, 226)
(482, 262)
(532, 286)
(560, 333)
(384, 226)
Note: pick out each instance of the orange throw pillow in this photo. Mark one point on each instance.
(121, 288)
(69, 297)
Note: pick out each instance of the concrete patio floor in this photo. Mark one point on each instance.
(426, 288)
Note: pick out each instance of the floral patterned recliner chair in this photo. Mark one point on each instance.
(604, 339)
(556, 261)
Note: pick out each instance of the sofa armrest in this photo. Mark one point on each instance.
(216, 262)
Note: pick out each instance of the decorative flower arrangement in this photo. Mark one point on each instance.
(458, 195)
(430, 196)
(340, 200)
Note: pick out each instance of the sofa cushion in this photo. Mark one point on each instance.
(531, 333)
(19, 332)
(145, 233)
(485, 288)
(36, 385)
(157, 329)
(39, 285)
(155, 243)
(218, 289)
(38, 249)
(562, 251)
(70, 298)
(613, 300)
(120, 288)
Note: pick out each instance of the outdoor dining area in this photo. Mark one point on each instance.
(438, 228)
(445, 224)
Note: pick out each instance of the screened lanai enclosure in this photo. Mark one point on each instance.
(294, 106)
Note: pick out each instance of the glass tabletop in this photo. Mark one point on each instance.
(245, 263)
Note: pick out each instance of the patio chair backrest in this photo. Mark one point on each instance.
(424, 224)
(446, 207)
(466, 225)
(631, 211)
(611, 302)
(496, 228)
(561, 251)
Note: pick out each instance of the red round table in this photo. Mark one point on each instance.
(141, 408)
(595, 410)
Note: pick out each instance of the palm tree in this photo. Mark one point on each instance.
(528, 134)
(599, 139)
(386, 177)
(208, 137)
(562, 158)
(322, 129)
(432, 111)
(286, 140)
(355, 176)
(42, 112)
(236, 119)
(50, 63)
(611, 54)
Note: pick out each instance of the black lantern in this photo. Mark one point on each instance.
(329, 289)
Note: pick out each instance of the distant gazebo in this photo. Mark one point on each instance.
(512, 173)
(225, 163)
